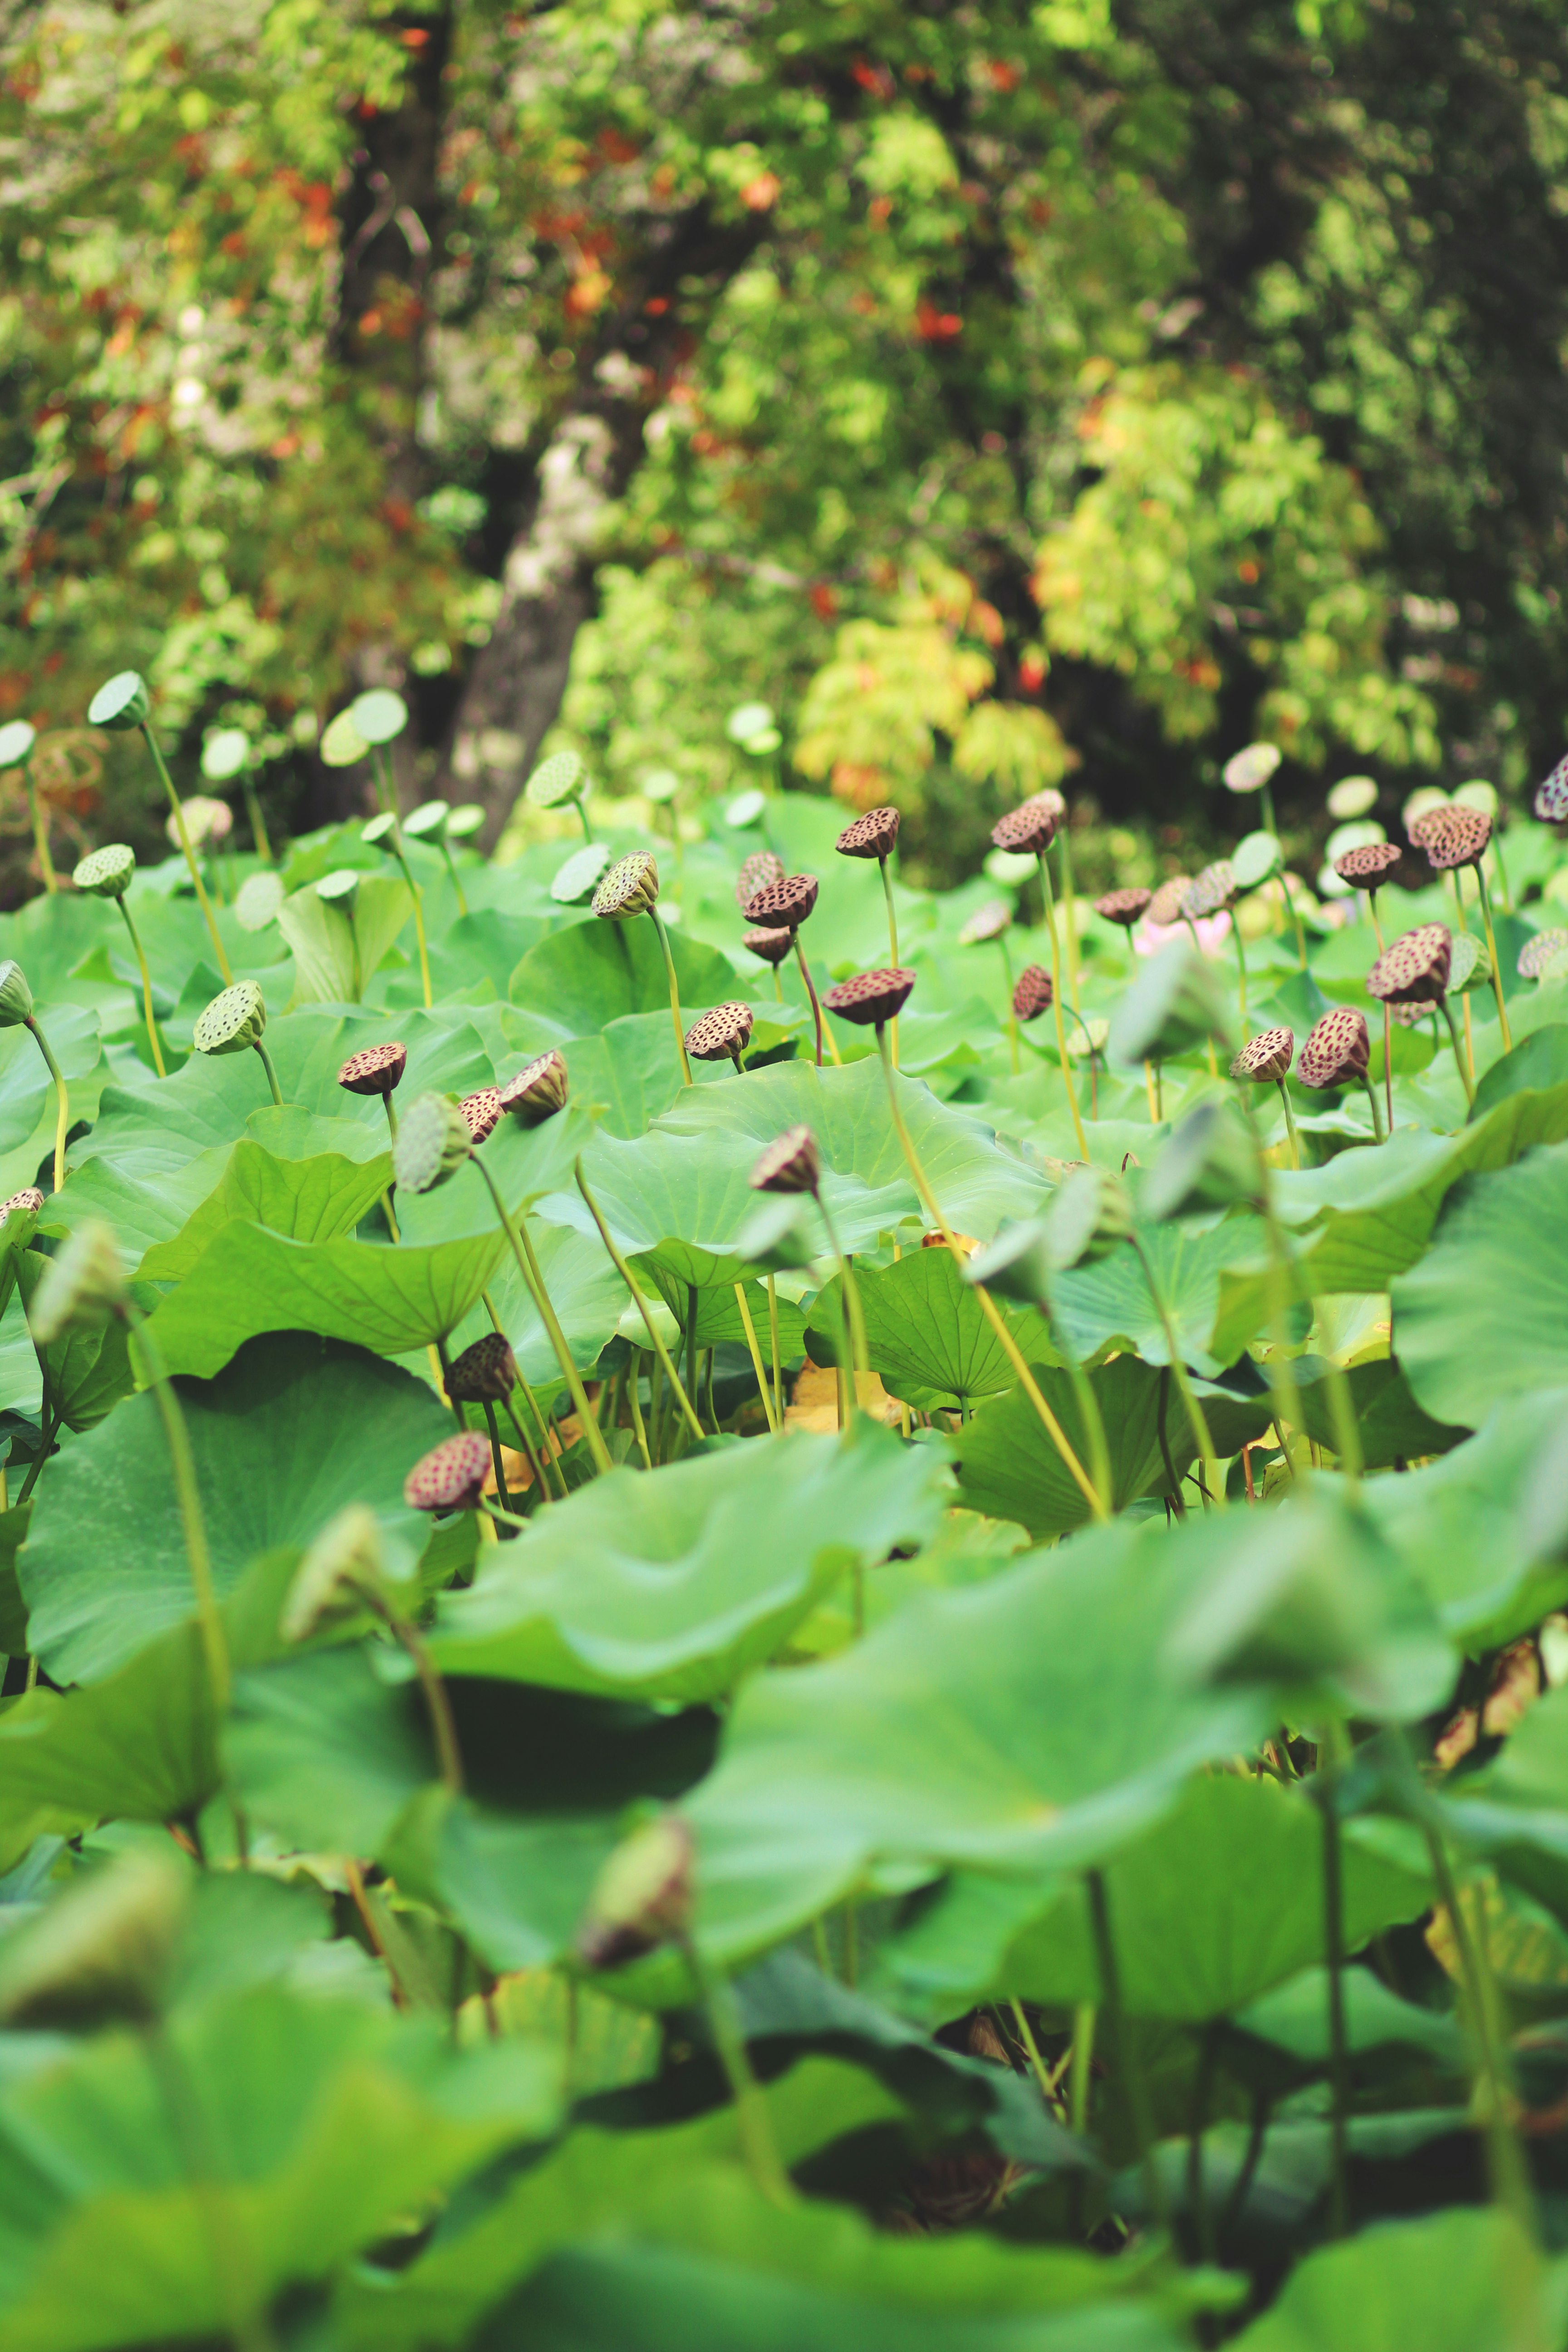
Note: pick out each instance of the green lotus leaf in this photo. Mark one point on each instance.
(581, 978)
(1484, 1314)
(925, 1331)
(334, 943)
(1448, 2282)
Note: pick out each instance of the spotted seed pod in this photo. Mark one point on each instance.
(1552, 797)
(782, 905)
(234, 1020)
(721, 1035)
(482, 1111)
(375, 1069)
(1427, 821)
(1028, 830)
(1210, 891)
(1538, 952)
(1266, 1058)
(1165, 904)
(1407, 1015)
(1124, 906)
(790, 1163)
(871, 835)
(1461, 840)
(772, 947)
(1032, 992)
(451, 1477)
(763, 867)
(433, 1140)
(642, 1897)
(1368, 867)
(107, 873)
(871, 996)
(27, 1202)
(630, 887)
(1415, 970)
(987, 922)
(1337, 1050)
(485, 1373)
(538, 1092)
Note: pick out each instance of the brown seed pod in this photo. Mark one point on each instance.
(1165, 904)
(987, 922)
(1124, 906)
(784, 904)
(1552, 797)
(1211, 891)
(538, 1092)
(1407, 1015)
(1033, 993)
(630, 887)
(1460, 840)
(28, 1200)
(1430, 820)
(772, 947)
(1337, 1050)
(485, 1373)
(720, 1035)
(1415, 970)
(871, 835)
(871, 996)
(482, 1112)
(451, 1477)
(1266, 1058)
(1368, 867)
(1538, 952)
(763, 867)
(790, 1163)
(375, 1069)
(1028, 830)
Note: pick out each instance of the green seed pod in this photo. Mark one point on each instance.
(260, 896)
(378, 716)
(380, 829)
(83, 1284)
(433, 1142)
(576, 881)
(630, 887)
(427, 822)
(102, 1950)
(342, 744)
(562, 777)
(225, 755)
(233, 1020)
(346, 1562)
(465, 822)
(16, 741)
(124, 702)
(339, 889)
(108, 872)
(642, 1897)
(15, 996)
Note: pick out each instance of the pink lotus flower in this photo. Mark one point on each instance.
(1213, 931)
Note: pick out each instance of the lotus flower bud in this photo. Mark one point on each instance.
(232, 1021)
(124, 702)
(344, 1563)
(790, 1163)
(539, 1091)
(763, 867)
(630, 887)
(83, 1284)
(1124, 906)
(782, 905)
(482, 1112)
(375, 1069)
(720, 1035)
(871, 835)
(433, 1142)
(772, 947)
(1266, 1058)
(871, 997)
(15, 996)
(1034, 994)
(102, 1950)
(1368, 867)
(987, 922)
(451, 1477)
(642, 1897)
(107, 873)
(1337, 1051)
(485, 1373)
(1415, 970)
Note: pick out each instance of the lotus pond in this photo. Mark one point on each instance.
(748, 1609)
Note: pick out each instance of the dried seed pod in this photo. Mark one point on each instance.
(451, 1477)
(1415, 970)
(538, 1092)
(107, 873)
(482, 1112)
(790, 1163)
(871, 835)
(1460, 840)
(630, 887)
(763, 867)
(721, 1035)
(1124, 906)
(1166, 903)
(375, 1069)
(83, 1285)
(27, 1202)
(485, 1373)
(1552, 797)
(1407, 1015)
(642, 1897)
(772, 947)
(871, 996)
(1210, 891)
(1543, 949)
(785, 903)
(1420, 828)
(1368, 867)
(232, 1021)
(1266, 1058)
(1337, 1050)
(433, 1140)
(987, 922)
(1030, 831)
(1032, 992)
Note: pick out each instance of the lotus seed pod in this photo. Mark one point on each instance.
(1175, 1002)
(630, 887)
(871, 835)
(1368, 866)
(1538, 952)
(107, 873)
(339, 889)
(722, 1034)
(1124, 906)
(467, 819)
(260, 896)
(987, 923)
(784, 904)
(562, 777)
(482, 1112)
(1029, 830)
(1427, 821)
(1352, 796)
(1552, 797)
(1266, 1058)
(1088, 1038)
(1210, 891)
(762, 867)
(433, 1142)
(232, 1021)
(83, 1285)
(871, 996)
(790, 1163)
(1032, 992)
(642, 1897)
(16, 741)
(124, 702)
(375, 1069)
(1338, 1049)
(379, 830)
(15, 996)
(379, 713)
(772, 947)
(1415, 970)
(1461, 840)
(102, 1950)
(342, 744)
(580, 876)
(485, 1373)
(427, 822)
(539, 1091)
(451, 1477)
(1165, 904)
(21, 1205)
(225, 754)
(1407, 1015)
(1248, 770)
(344, 1562)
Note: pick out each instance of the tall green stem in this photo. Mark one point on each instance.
(1334, 1949)
(811, 992)
(258, 823)
(756, 1354)
(188, 1495)
(1377, 1133)
(629, 1278)
(774, 1348)
(1291, 1136)
(754, 2127)
(153, 1039)
(656, 921)
(456, 879)
(1509, 2172)
(1070, 917)
(1012, 1017)
(1497, 968)
(271, 1073)
(62, 1103)
(1056, 1006)
(533, 1282)
(196, 871)
(853, 1319)
(418, 897)
(1195, 1415)
(1458, 1044)
(1132, 2079)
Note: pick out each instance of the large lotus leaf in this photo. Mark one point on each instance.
(248, 1281)
(673, 1586)
(718, 1315)
(1027, 1723)
(26, 1089)
(1538, 1062)
(1222, 1901)
(1110, 1299)
(925, 1332)
(296, 1428)
(587, 1294)
(517, 1888)
(309, 1200)
(319, 2123)
(1390, 1423)
(1484, 1315)
(88, 1371)
(589, 973)
(323, 1754)
(472, 956)
(1449, 2282)
(628, 1074)
(332, 947)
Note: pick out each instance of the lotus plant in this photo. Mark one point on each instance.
(1415, 971)
(1266, 1060)
(108, 873)
(1032, 829)
(631, 888)
(16, 1012)
(234, 1022)
(874, 836)
(785, 906)
(120, 705)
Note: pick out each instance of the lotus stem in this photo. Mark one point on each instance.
(1497, 968)
(754, 2127)
(1093, 1422)
(1083, 2019)
(1056, 1006)
(581, 805)
(496, 1464)
(811, 992)
(533, 1281)
(1195, 1416)
(529, 1454)
(756, 1354)
(1334, 1949)
(1240, 958)
(1468, 1082)
(1376, 925)
(1012, 1017)
(532, 1401)
(396, 837)
(41, 833)
(196, 871)
(1149, 1086)
(892, 939)
(452, 870)
(1291, 1137)
(655, 917)
(640, 1302)
(438, 1705)
(1377, 1133)
(1136, 2087)
(1064, 844)
(188, 1495)
(271, 1073)
(137, 951)
(774, 1355)
(853, 1319)
(1388, 1063)
(62, 1103)
(258, 823)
